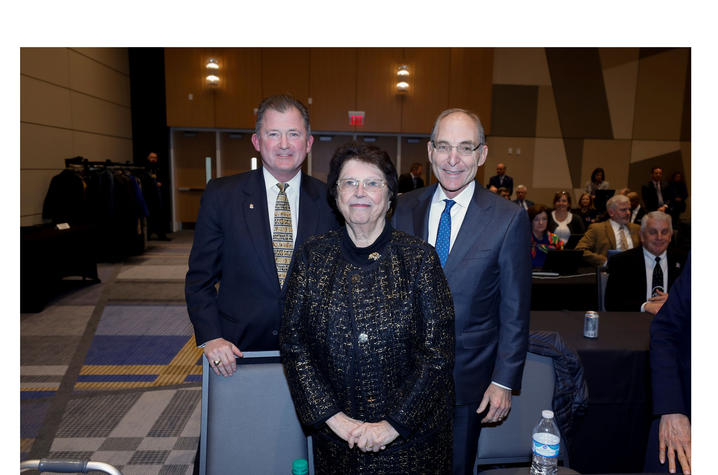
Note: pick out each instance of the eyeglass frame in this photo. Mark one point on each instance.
(433, 144)
(341, 184)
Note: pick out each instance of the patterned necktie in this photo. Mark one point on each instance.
(443, 236)
(622, 243)
(657, 280)
(282, 237)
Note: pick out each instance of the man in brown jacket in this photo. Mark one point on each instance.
(615, 233)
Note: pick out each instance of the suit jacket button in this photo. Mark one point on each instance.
(274, 332)
(363, 338)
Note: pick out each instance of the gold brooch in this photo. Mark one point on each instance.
(374, 256)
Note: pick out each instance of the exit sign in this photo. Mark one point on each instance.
(356, 118)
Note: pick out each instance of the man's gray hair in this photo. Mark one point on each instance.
(473, 116)
(616, 200)
(656, 216)
(281, 103)
(522, 186)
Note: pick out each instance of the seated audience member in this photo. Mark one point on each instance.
(586, 210)
(541, 239)
(669, 439)
(597, 182)
(504, 192)
(637, 211)
(639, 279)
(677, 193)
(521, 197)
(615, 233)
(562, 222)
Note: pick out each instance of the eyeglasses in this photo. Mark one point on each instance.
(370, 184)
(464, 148)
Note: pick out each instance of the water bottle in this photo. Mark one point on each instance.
(300, 467)
(546, 440)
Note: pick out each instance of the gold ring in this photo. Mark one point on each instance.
(369, 447)
(216, 362)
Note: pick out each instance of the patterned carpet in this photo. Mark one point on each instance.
(110, 372)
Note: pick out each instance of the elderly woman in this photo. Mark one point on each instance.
(367, 335)
(562, 222)
(541, 239)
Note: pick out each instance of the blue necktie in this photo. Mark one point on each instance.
(443, 236)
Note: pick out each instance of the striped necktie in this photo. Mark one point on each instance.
(282, 241)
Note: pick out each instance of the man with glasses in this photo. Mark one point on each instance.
(482, 241)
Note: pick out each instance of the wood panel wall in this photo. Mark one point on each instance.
(331, 81)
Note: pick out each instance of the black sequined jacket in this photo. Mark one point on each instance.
(376, 342)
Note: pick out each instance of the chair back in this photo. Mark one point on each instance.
(248, 422)
(510, 441)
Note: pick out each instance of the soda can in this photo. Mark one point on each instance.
(590, 325)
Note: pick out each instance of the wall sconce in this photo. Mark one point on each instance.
(212, 68)
(402, 78)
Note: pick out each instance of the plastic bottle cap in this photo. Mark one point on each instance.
(300, 466)
(547, 414)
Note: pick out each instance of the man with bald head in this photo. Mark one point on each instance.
(639, 279)
(482, 241)
(614, 233)
(501, 179)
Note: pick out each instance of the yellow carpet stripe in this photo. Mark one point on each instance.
(182, 365)
(48, 388)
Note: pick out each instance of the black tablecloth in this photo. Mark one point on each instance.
(612, 436)
(573, 292)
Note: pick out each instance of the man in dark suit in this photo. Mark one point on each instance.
(639, 279)
(637, 211)
(654, 191)
(614, 233)
(670, 353)
(482, 242)
(244, 238)
(412, 180)
(521, 197)
(502, 179)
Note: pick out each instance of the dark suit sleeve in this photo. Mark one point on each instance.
(623, 292)
(514, 307)
(670, 349)
(205, 268)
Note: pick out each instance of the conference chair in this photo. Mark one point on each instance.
(510, 440)
(249, 424)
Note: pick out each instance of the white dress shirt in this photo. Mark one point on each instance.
(292, 192)
(626, 232)
(650, 261)
(458, 212)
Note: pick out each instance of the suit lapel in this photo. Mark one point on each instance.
(420, 212)
(610, 235)
(254, 209)
(640, 263)
(308, 216)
